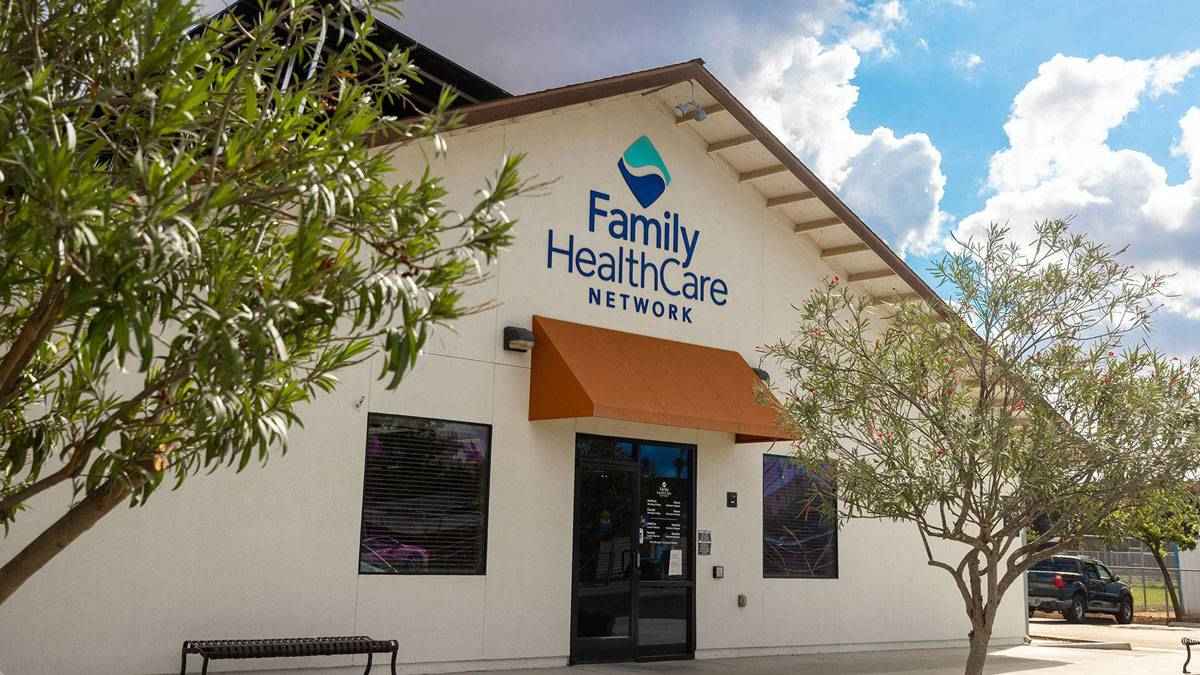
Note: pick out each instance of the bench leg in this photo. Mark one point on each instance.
(183, 661)
(204, 668)
(394, 651)
(1189, 658)
(370, 657)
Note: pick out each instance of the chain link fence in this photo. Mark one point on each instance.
(1136, 567)
(1150, 591)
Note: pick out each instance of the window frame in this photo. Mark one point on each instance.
(837, 555)
(485, 498)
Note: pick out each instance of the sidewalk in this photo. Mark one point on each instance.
(1102, 629)
(1023, 659)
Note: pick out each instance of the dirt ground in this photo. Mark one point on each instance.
(1163, 618)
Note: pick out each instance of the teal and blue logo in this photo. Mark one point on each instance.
(652, 177)
(649, 265)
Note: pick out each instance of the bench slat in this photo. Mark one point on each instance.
(285, 647)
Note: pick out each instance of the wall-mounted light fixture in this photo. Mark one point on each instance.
(518, 339)
(691, 107)
(762, 375)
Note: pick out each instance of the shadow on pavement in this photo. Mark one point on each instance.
(937, 661)
(1013, 664)
(1089, 620)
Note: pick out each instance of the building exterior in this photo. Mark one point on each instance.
(1188, 579)
(614, 492)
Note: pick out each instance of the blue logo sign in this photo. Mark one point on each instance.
(638, 261)
(652, 177)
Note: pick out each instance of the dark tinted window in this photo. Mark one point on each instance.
(603, 447)
(666, 505)
(1056, 565)
(799, 541)
(424, 497)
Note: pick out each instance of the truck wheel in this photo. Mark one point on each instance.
(1078, 607)
(1125, 613)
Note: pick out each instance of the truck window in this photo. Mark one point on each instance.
(1055, 565)
(1105, 575)
(1090, 571)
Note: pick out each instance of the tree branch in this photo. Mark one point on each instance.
(79, 519)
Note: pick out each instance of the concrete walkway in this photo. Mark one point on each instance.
(1023, 659)
(1103, 629)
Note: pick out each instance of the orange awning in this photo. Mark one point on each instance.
(585, 371)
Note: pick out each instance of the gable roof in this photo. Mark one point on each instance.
(734, 135)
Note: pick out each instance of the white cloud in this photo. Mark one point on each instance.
(802, 88)
(1059, 164)
(923, 44)
(870, 34)
(889, 14)
(896, 185)
(1167, 72)
(966, 62)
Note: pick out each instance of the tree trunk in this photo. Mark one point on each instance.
(1168, 581)
(77, 520)
(977, 656)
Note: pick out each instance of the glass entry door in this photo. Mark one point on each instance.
(633, 584)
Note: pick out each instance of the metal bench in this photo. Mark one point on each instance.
(1189, 643)
(285, 647)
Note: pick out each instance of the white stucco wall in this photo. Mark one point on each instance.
(1189, 580)
(273, 552)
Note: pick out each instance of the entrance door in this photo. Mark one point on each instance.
(633, 582)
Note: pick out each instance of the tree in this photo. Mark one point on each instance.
(1027, 393)
(1168, 517)
(197, 236)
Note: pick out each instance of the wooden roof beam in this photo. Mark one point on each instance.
(894, 299)
(747, 176)
(873, 274)
(844, 250)
(819, 224)
(717, 146)
(790, 199)
(708, 110)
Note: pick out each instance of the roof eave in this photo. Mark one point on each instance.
(786, 157)
(568, 95)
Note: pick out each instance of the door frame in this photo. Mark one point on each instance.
(634, 466)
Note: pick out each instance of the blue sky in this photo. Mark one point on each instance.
(964, 113)
(927, 116)
(918, 90)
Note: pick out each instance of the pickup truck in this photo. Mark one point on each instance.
(1076, 585)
